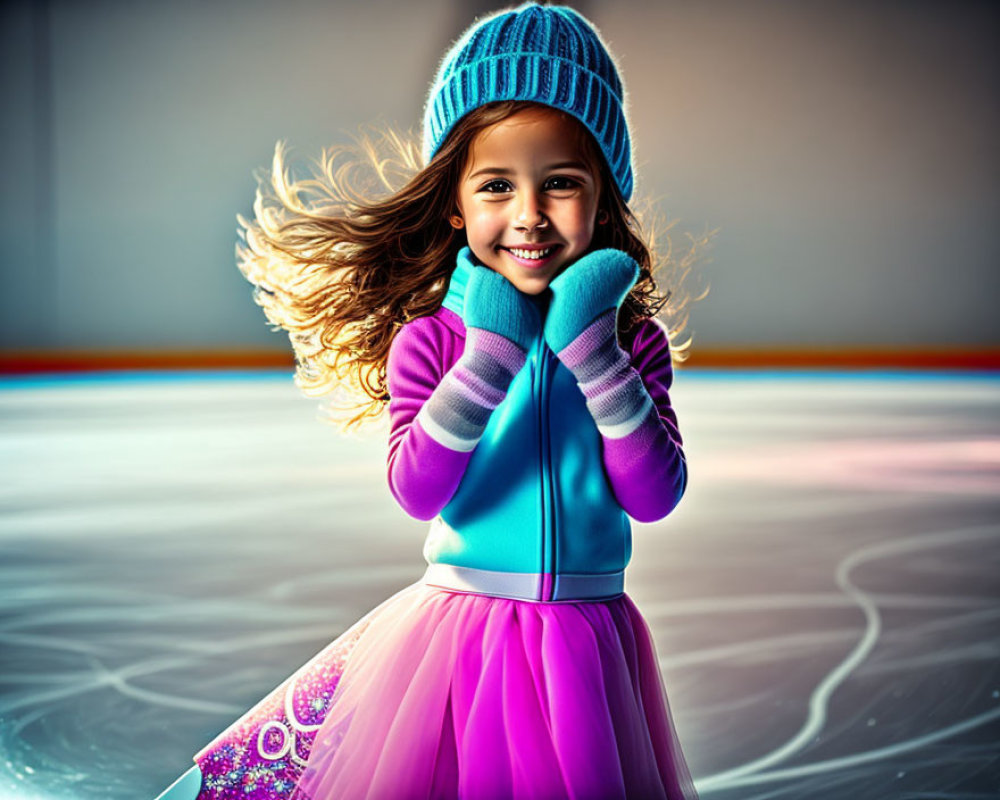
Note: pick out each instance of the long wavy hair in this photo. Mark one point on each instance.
(343, 258)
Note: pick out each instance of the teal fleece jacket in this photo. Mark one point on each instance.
(537, 510)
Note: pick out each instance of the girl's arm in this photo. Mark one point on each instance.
(627, 397)
(423, 473)
(646, 468)
(439, 406)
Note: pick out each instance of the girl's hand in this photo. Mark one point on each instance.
(581, 329)
(493, 304)
(595, 284)
(500, 324)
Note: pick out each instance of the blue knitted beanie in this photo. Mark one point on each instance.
(544, 54)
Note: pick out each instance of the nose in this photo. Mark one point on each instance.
(529, 214)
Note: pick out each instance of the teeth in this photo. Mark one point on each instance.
(535, 254)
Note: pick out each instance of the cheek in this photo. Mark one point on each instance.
(583, 224)
(484, 223)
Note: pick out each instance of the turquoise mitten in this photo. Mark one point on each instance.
(500, 325)
(492, 303)
(596, 283)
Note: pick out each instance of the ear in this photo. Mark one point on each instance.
(603, 217)
(456, 221)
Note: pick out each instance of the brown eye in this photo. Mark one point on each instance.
(496, 186)
(561, 182)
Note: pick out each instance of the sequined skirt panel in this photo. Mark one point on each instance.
(440, 695)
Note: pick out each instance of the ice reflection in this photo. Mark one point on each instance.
(824, 601)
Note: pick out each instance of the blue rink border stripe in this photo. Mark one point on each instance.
(133, 376)
(63, 379)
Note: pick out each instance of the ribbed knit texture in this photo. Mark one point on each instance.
(456, 414)
(615, 395)
(545, 54)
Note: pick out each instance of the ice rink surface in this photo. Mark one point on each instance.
(825, 600)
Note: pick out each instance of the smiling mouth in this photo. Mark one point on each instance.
(531, 255)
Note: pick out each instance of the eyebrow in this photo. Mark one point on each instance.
(504, 171)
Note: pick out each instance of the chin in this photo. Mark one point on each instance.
(532, 286)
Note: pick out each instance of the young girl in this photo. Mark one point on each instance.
(501, 304)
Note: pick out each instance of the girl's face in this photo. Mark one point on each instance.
(528, 197)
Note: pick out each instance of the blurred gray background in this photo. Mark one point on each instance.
(846, 151)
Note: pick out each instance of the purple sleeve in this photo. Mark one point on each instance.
(423, 474)
(646, 468)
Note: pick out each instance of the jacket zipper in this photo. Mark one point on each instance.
(545, 467)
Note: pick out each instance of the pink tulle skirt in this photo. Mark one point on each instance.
(443, 694)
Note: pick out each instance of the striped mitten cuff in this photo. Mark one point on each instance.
(616, 397)
(455, 415)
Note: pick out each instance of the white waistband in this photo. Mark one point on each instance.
(525, 585)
